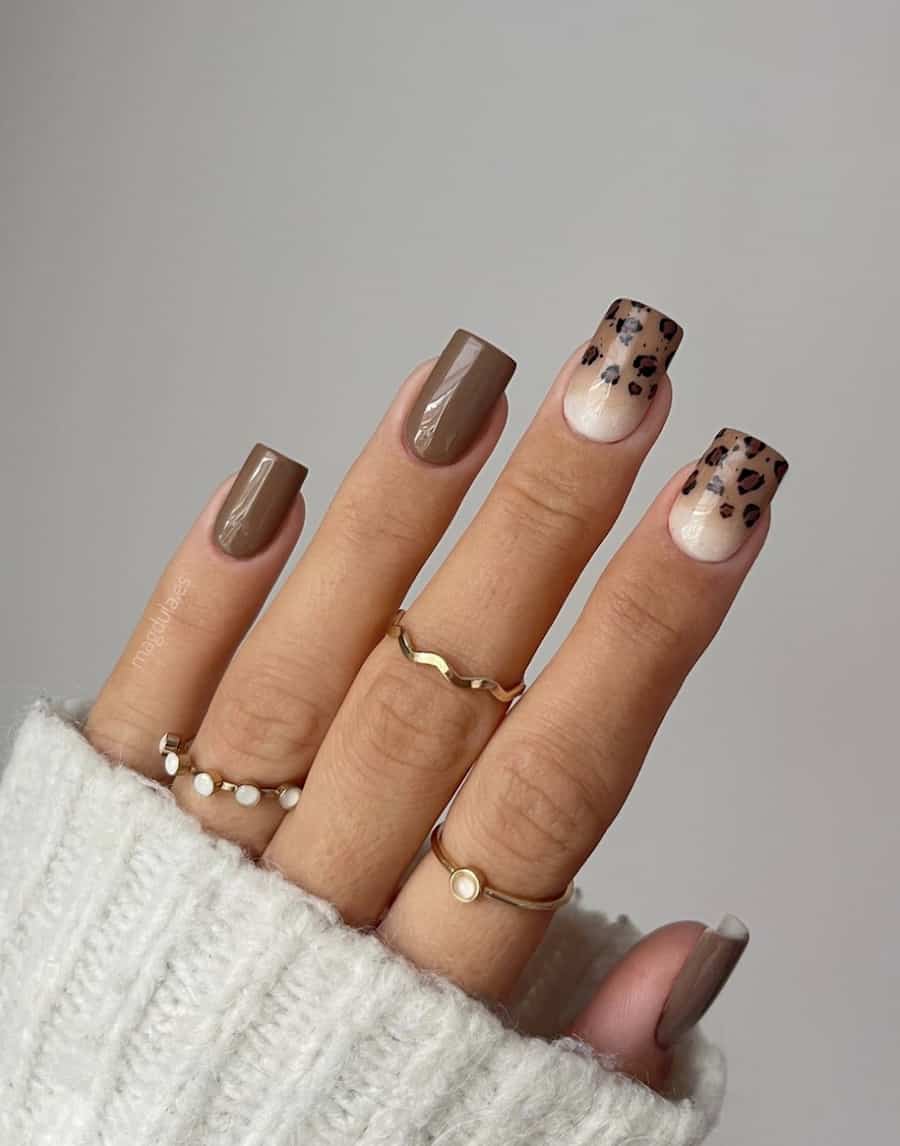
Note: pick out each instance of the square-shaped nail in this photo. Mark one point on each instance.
(725, 495)
(612, 387)
(457, 397)
(258, 501)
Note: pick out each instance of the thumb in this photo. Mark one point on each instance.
(657, 993)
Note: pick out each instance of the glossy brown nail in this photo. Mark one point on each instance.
(704, 974)
(258, 502)
(457, 397)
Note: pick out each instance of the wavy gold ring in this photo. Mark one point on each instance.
(484, 683)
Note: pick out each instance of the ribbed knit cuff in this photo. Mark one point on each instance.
(159, 989)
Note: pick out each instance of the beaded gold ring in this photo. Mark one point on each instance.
(206, 782)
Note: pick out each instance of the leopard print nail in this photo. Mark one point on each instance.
(724, 496)
(619, 373)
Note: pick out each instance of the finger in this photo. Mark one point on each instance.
(657, 993)
(555, 775)
(200, 610)
(405, 737)
(283, 688)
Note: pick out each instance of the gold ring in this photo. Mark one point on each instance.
(468, 884)
(177, 761)
(485, 684)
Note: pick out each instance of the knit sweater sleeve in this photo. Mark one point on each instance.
(157, 987)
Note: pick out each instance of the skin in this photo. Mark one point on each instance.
(314, 692)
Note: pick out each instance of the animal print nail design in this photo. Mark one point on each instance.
(619, 373)
(724, 495)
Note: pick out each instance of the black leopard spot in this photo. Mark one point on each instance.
(590, 355)
(751, 515)
(635, 388)
(639, 305)
(613, 309)
(780, 468)
(691, 482)
(668, 329)
(749, 480)
(610, 375)
(721, 434)
(651, 393)
(716, 485)
(726, 509)
(627, 328)
(716, 455)
(646, 365)
(753, 446)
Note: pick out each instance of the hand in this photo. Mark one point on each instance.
(315, 694)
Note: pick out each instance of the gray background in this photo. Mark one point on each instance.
(224, 222)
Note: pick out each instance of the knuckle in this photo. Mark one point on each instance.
(642, 613)
(544, 502)
(263, 716)
(541, 805)
(412, 721)
(365, 521)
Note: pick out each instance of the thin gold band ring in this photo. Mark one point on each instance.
(468, 884)
(435, 660)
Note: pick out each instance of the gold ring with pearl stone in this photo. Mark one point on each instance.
(468, 884)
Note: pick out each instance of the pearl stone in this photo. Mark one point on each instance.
(289, 796)
(204, 784)
(247, 795)
(172, 764)
(465, 885)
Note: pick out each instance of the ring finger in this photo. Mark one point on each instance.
(554, 777)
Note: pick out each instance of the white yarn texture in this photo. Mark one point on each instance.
(157, 988)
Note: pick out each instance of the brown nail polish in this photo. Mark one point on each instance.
(704, 974)
(457, 397)
(258, 501)
(725, 495)
(612, 387)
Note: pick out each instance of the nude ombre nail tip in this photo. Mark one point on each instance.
(457, 398)
(612, 387)
(725, 496)
(258, 501)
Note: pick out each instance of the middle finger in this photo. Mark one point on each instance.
(404, 738)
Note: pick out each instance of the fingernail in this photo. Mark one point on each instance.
(704, 974)
(257, 502)
(725, 495)
(619, 373)
(457, 397)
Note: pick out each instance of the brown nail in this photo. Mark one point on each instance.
(457, 397)
(704, 974)
(258, 502)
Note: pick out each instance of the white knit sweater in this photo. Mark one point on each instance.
(159, 989)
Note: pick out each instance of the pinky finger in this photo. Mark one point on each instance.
(200, 611)
(657, 993)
